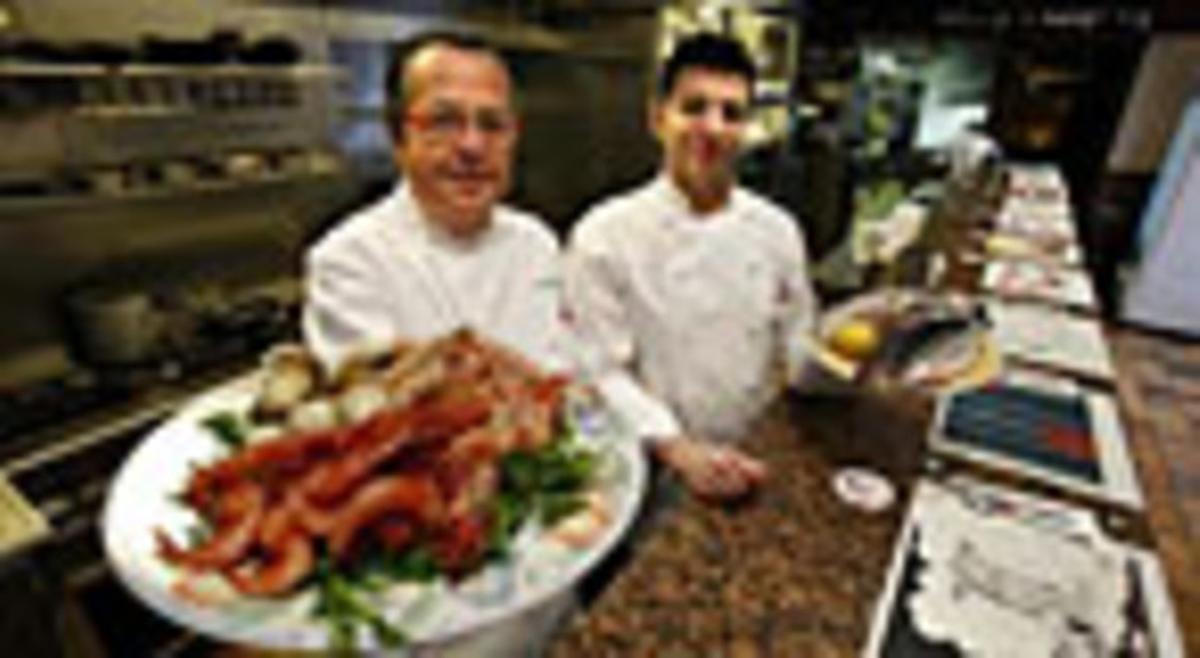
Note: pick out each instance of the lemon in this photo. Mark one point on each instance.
(855, 339)
(1003, 246)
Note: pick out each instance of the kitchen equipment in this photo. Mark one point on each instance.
(20, 523)
(218, 48)
(113, 327)
(270, 50)
(26, 411)
(245, 166)
(62, 579)
(61, 441)
(79, 118)
(109, 180)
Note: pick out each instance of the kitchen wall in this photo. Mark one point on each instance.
(1168, 75)
(586, 134)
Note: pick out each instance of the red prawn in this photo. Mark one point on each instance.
(410, 496)
(286, 563)
(237, 518)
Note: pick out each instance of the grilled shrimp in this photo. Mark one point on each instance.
(237, 518)
(284, 566)
(395, 533)
(410, 496)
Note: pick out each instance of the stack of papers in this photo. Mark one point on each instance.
(1039, 282)
(1041, 182)
(988, 572)
(1036, 222)
(1044, 336)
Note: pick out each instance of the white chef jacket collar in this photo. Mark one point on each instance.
(409, 211)
(673, 198)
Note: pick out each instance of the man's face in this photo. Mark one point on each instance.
(458, 136)
(700, 126)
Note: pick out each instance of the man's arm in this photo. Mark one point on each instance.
(798, 302)
(345, 305)
(607, 348)
(535, 321)
(606, 345)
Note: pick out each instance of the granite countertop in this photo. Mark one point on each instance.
(792, 571)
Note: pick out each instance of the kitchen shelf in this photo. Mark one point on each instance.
(134, 111)
(12, 205)
(145, 412)
(45, 70)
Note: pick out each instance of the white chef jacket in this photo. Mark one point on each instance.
(685, 321)
(387, 273)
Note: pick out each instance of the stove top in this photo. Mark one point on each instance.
(30, 415)
(63, 439)
(27, 410)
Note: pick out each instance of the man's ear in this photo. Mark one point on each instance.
(398, 152)
(518, 127)
(654, 116)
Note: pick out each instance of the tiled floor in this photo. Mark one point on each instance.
(1159, 385)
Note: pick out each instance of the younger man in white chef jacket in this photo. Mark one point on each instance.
(691, 294)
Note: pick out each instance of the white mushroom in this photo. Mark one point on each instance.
(290, 376)
(361, 401)
(313, 415)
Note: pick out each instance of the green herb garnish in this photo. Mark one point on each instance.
(228, 428)
(548, 483)
(340, 602)
(415, 565)
(198, 534)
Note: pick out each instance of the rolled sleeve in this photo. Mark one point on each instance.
(342, 310)
(606, 344)
(798, 304)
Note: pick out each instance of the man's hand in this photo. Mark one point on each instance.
(711, 471)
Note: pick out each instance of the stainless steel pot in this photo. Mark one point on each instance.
(114, 328)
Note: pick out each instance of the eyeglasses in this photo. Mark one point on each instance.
(444, 124)
(695, 107)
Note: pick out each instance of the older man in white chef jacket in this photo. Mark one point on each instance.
(690, 293)
(439, 252)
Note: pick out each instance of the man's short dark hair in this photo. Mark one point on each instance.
(398, 93)
(709, 51)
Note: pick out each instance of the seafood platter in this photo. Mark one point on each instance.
(411, 497)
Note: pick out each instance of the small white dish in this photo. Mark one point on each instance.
(864, 489)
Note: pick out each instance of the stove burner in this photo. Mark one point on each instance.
(26, 410)
(235, 338)
(61, 441)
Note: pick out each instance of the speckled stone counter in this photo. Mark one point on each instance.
(790, 572)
